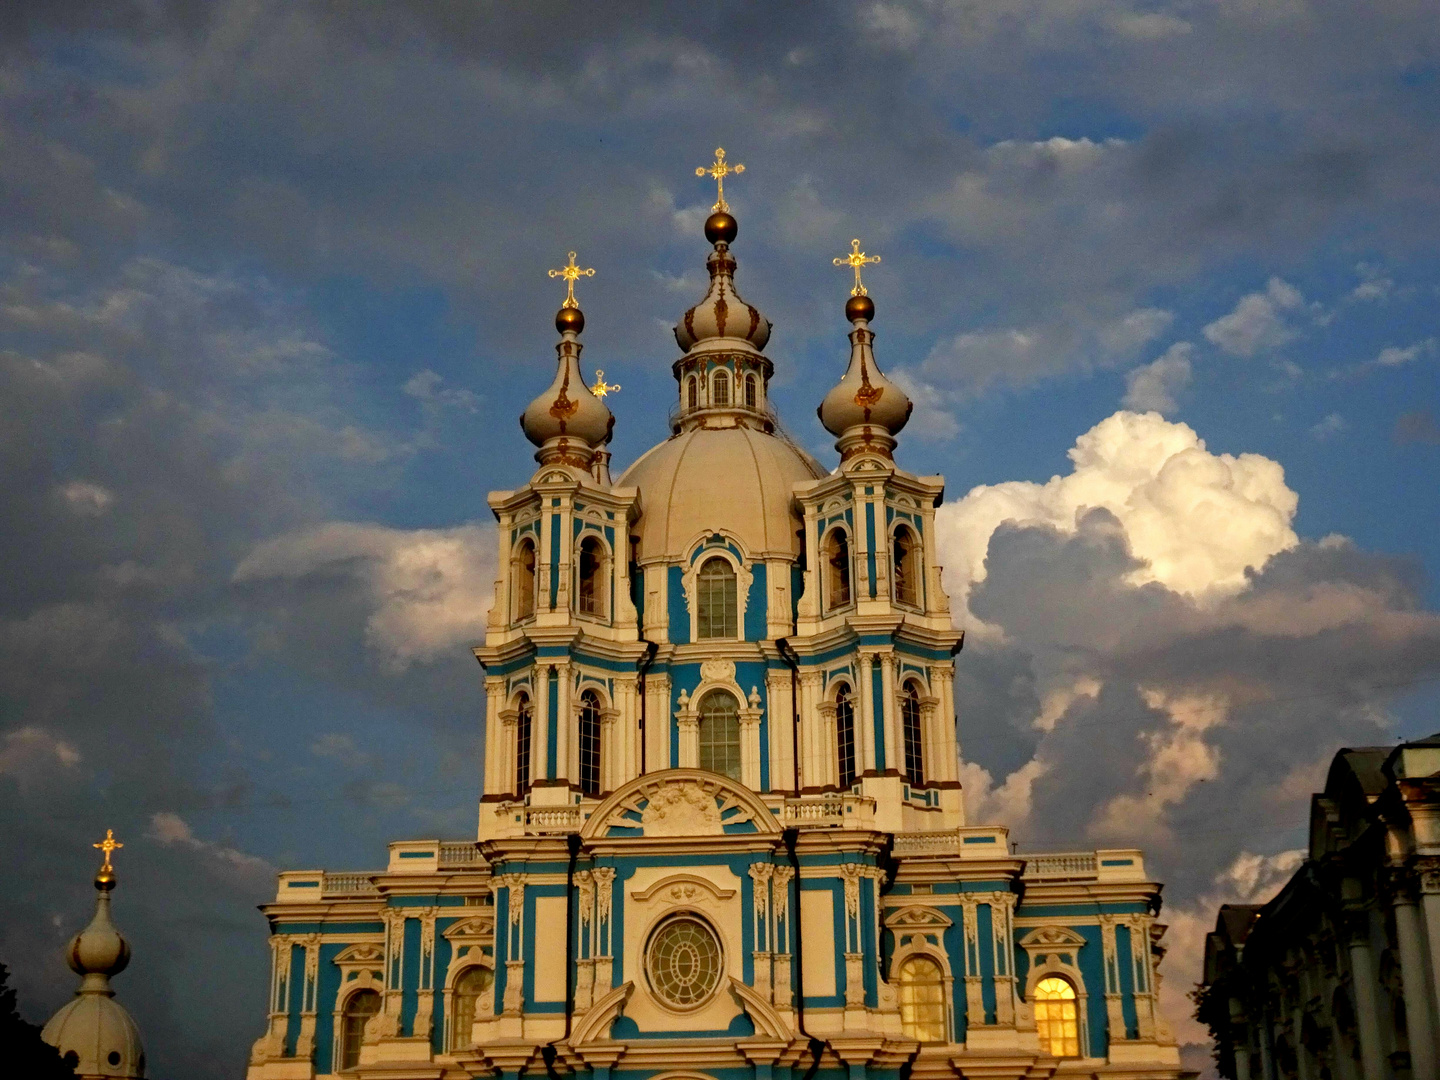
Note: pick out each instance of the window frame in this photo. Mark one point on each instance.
(600, 581)
(692, 392)
(830, 565)
(346, 1016)
(720, 388)
(912, 732)
(914, 576)
(941, 983)
(1046, 1042)
(704, 611)
(590, 721)
(524, 738)
(844, 701)
(734, 750)
(456, 1046)
(524, 601)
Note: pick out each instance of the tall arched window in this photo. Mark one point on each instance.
(906, 549)
(720, 389)
(914, 740)
(359, 1008)
(837, 569)
(715, 611)
(524, 720)
(472, 983)
(845, 736)
(692, 392)
(922, 999)
(590, 743)
(720, 734)
(593, 571)
(1057, 1017)
(522, 579)
(750, 394)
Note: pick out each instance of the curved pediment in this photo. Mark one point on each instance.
(1052, 936)
(919, 917)
(680, 802)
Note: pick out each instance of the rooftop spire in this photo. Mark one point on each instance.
(865, 410)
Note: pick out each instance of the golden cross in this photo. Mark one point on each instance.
(855, 260)
(571, 273)
(719, 171)
(601, 387)
(108, 845)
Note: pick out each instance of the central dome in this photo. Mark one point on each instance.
(731, 479)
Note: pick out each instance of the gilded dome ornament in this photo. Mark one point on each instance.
(571, 274)
(105, 879)
(601, 387)
(719, 170)
(855, 260)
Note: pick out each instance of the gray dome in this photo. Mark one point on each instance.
(101, 1034)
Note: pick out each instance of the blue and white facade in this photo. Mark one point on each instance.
(722, 831)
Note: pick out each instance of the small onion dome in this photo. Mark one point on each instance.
(94, 1032)
(864, 397)
(567, 418)
(722, 313)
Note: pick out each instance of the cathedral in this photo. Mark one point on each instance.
(722, 833)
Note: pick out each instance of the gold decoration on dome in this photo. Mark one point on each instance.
(719, 170)
(601, 387)
(571, 274)
(855, 260)
(108, 845)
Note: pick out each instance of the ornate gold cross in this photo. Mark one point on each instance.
(108, 845)
(601, 387)
(571, 274)
(719, 171)
(855, 260)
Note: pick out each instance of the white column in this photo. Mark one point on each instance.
(688, 720)
(812, 743)
(828, 770)
(501, 604)
(568, 733)
(942, 684)
(540, 726)
(1415, 977)
(866, 693)
(1363, 981)
(781, 715)
(894, 756)
(657, 721)
(496, 734)
(750, 741)
(1428, 868)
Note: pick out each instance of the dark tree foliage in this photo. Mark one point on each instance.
(1212, 1008)
(22, 1053)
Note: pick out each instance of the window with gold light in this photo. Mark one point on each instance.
(922, 999)
(1057, 1017)
(469, 988)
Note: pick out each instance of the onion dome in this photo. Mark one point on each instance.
(94, 1032)
(567, 421)
(722, 313)
(865, 410)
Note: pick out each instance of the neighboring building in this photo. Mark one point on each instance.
(722, 832)
(1339, 975)
(94, 1033)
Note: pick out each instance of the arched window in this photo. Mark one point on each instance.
(522, 579)
(845, 736)
(692, 392)
(720, 734)
(914, 741)
(720, 389)
(715, 613)
(906, 549)
(590, 743)
(837, 569)
(523, 722)
(750, 395)
(1056, 1017)
(359, 1008)
(922, 999)
(593, 570)
(472, 983)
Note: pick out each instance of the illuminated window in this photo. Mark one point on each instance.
(837, 570)
(720, 734)
(910, 723)
(472, 983)
(906, 550)
(684, 962)
(750, 391)
(522, 744)
(522, 580)
(716, 610)
(589, 743)
(1057, 1018)
(692, 392)
(720, 389)
(360, 1007)
(592, 568)
(845, 736)
(922, 999)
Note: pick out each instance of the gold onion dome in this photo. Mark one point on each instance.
(721, 313)
(567, 421)
(865, 410)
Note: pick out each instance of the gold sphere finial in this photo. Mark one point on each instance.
(719, 170)
(855, 260)
(571, 274)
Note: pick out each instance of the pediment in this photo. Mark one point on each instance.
(478, 926)
(680, 802)
(364, 953)
(917, 916)
(1051, 937)
(683, 888)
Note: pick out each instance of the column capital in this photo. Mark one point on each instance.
(1427, 868)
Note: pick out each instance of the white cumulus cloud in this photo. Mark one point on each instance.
(1154, 386)
(1258, 321)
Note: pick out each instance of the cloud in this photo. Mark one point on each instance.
(1196, 522)
(1154, 386)
(1374, 285)
(86, 499)
(426, 591)
(170, 829)
(1258, 322)
(25, 749)
(1331, 425)
(1394, 356)
(429, 389)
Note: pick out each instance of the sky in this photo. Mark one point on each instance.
(1160, 276)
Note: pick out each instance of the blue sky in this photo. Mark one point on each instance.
(273, 291)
